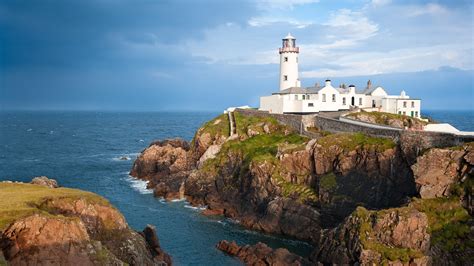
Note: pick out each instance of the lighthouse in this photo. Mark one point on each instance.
(289, 63)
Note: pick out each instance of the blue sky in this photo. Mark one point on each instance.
(208, 55)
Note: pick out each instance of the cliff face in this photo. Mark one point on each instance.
(434, 229)
(440, 172)
(269, 178)
(355, 170)
(42, 225)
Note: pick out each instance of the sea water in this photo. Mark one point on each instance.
(94, 151)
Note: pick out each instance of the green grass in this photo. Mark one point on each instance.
(448, 222)
(384, 118)
(351, 141)
(302, 192)
(328, 181)
(21, 200)
(218, 126)
(256, 123)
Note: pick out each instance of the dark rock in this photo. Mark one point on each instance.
(151, 238)
(45, 181)
(369, 237)
(261, 254)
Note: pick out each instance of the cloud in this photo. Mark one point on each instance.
(282, 4)
(428, 9)
(268, 21)
(377, 3)
(354, 23)
(402, 60)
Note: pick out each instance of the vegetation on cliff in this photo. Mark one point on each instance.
(261, 139)
(448, 223)
(18, 200)
(389, 119)
(370, 242)
(352, 141)
(218, 126)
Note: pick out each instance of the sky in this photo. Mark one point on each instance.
(210, 54)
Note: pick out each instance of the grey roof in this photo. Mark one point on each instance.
(368, 91)
(296, 90)
(315, 90)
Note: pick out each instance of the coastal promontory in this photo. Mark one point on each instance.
(42, 224)
(357, 198)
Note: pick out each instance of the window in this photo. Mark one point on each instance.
(304, 97)
(404, 113)
(344, 101)
(307, 96)
(416, 113)
(360, 101)
(412, 104)
(286, 59)
(404, 104)
(285, 77)
(399, 112)
(334, 97)
(310, 105)
(324, 97)
(296, 97)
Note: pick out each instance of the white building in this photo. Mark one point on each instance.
(292, 98)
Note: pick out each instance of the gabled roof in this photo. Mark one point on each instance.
(296, 90)
(369, 91)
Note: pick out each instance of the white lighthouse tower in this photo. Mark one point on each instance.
(289, 63)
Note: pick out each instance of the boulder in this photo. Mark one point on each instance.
(44, 181)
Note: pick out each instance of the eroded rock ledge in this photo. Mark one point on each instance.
(261, 254)
(40, 224)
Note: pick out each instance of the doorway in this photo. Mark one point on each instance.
(353, 101)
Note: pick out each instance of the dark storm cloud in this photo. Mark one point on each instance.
(74, 33)
(104, 54)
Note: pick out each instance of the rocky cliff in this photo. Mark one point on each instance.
(270, 178)
(44, 225)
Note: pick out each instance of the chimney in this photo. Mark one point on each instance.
(369, 84)
(352, 88)
(328, 82)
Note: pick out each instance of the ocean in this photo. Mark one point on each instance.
(84, 150)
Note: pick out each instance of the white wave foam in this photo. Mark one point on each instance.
(126, 156)
(29, 129)
(139, 185)
(198, 208)
(178, 200)
(121, 158)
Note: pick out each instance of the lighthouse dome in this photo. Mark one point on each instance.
(289, 37)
